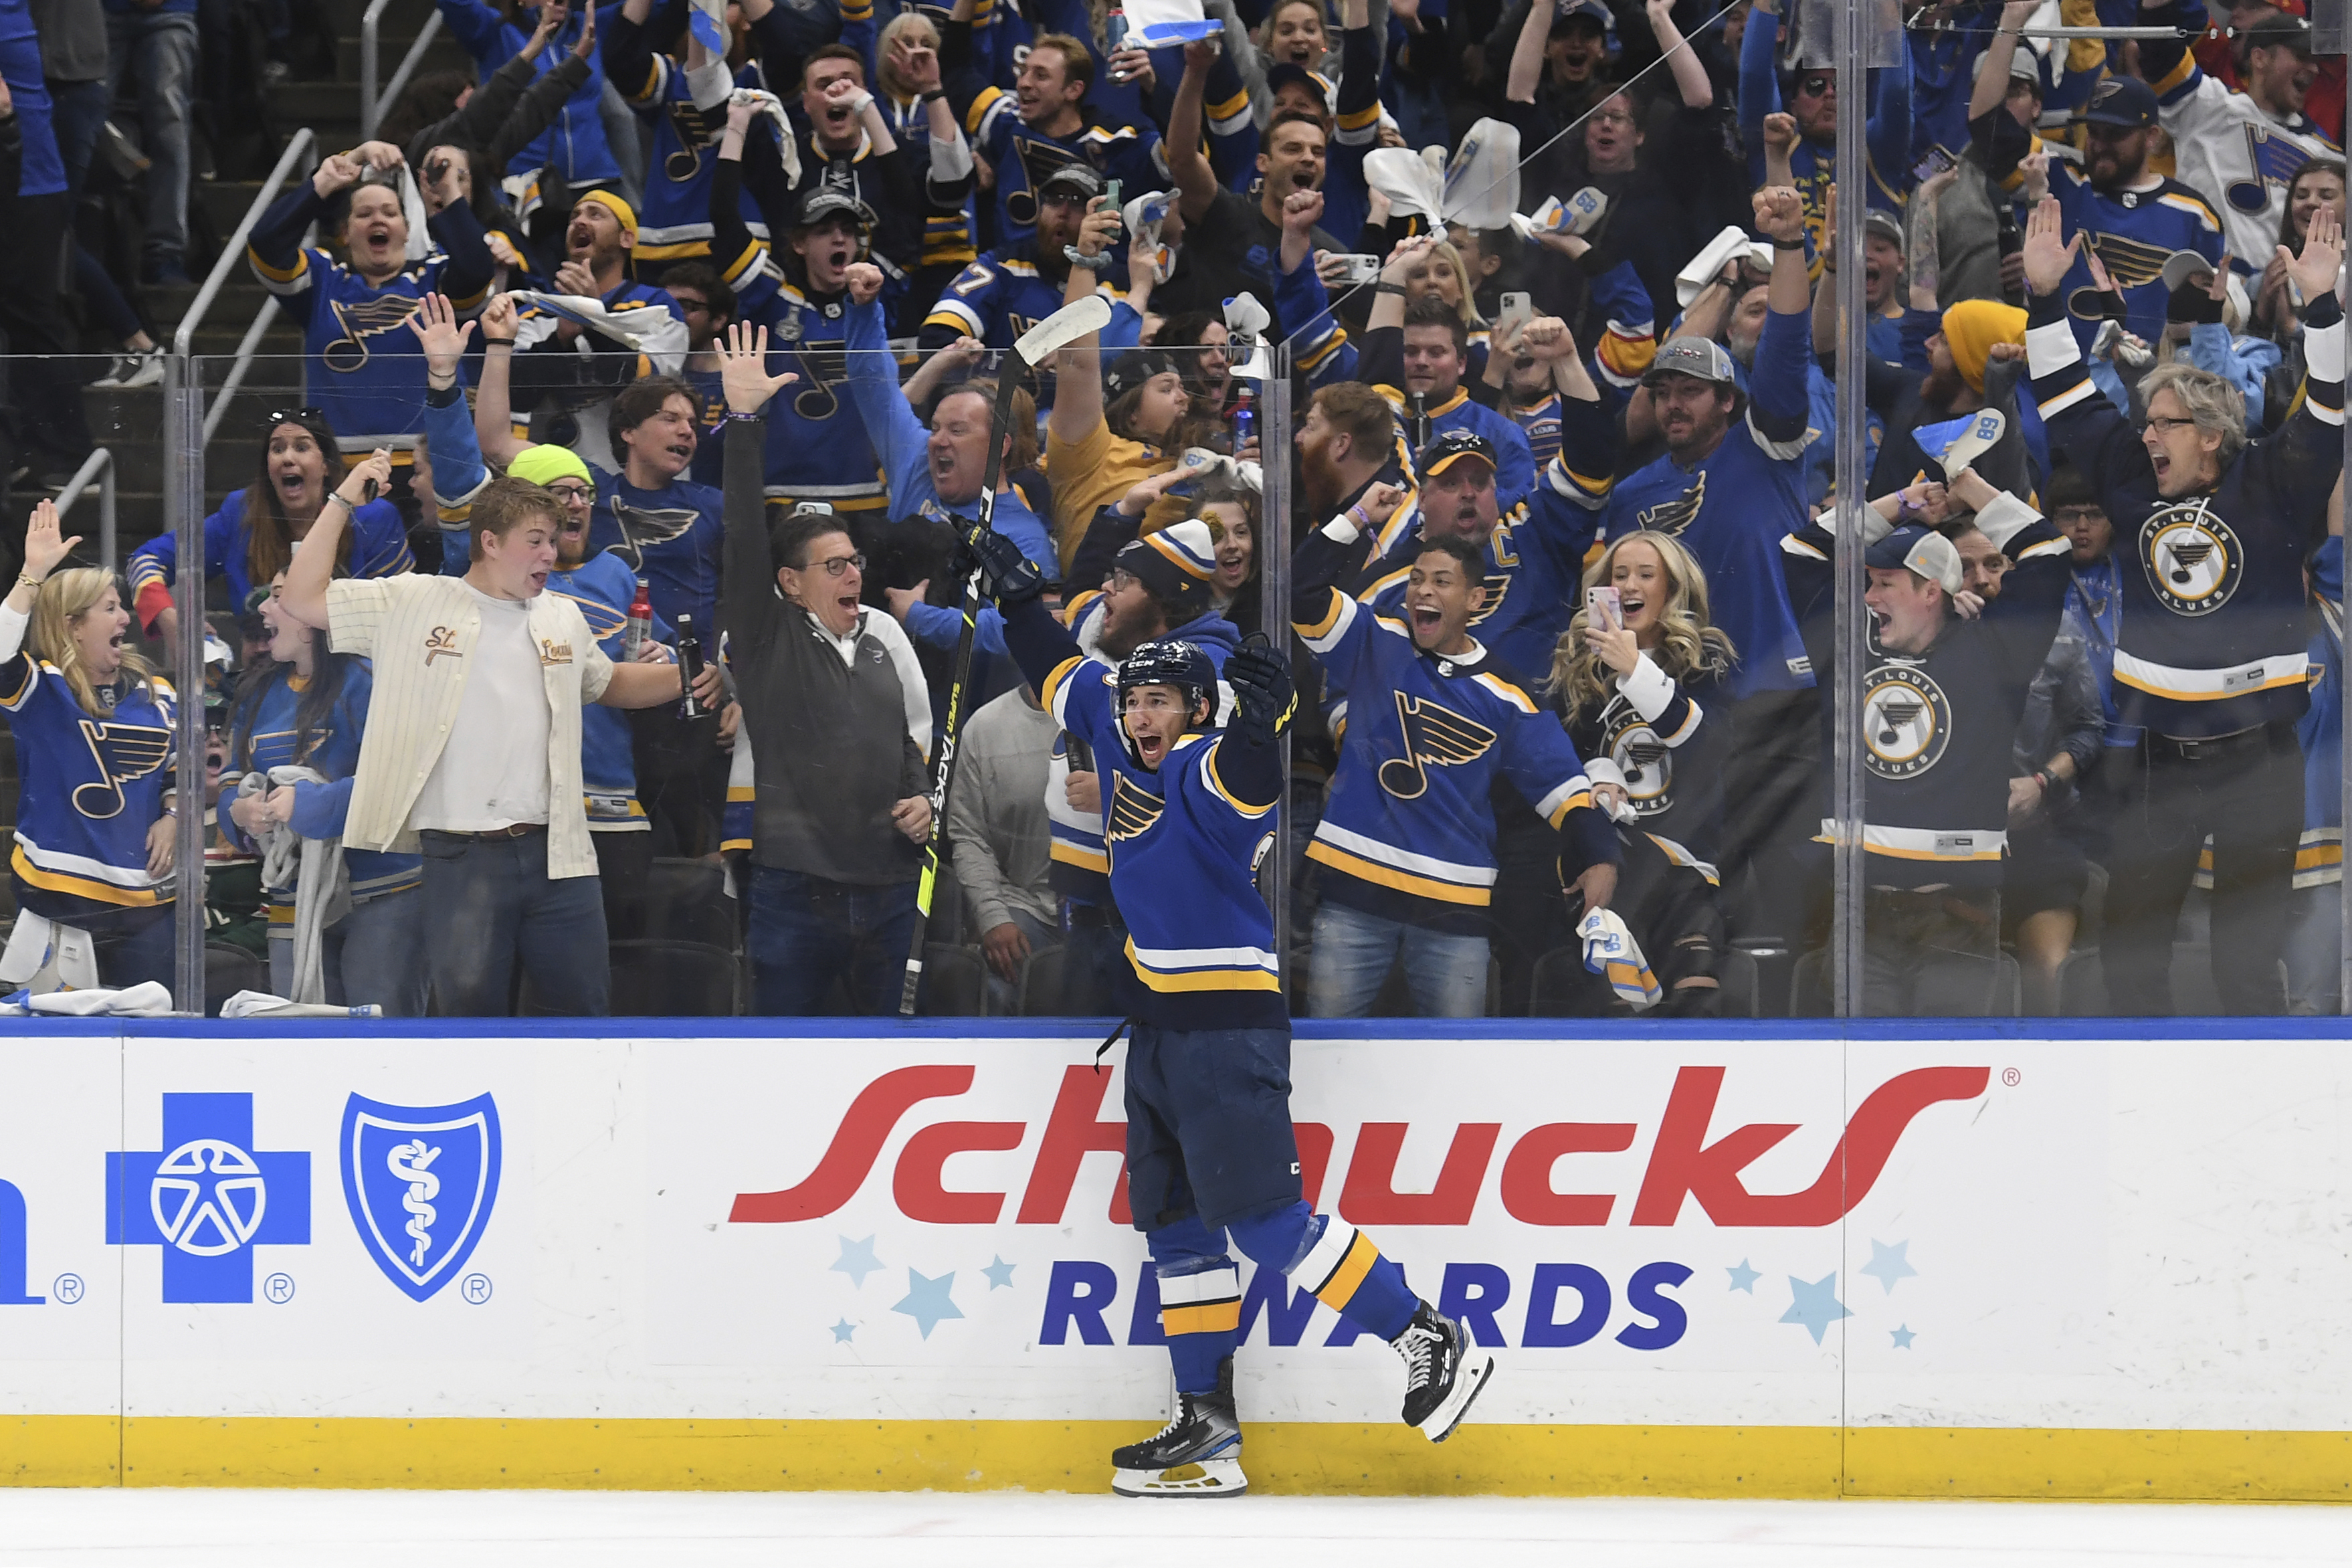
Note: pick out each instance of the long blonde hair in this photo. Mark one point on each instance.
(1689, 643)
(1465, 307)
(65, 597)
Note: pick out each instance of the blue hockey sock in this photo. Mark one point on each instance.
(1335, 1260)
(1200, 1301)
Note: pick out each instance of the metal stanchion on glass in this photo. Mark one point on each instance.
(1273, 599)
(183, 514)
(1850, 36)
(2331, 34)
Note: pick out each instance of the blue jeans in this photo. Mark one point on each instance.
(375, 954)
(1446, 973)
(159, 49)
(489, 902)
(77, 112)
(806, 932)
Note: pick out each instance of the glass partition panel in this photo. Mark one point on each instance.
(768, 846)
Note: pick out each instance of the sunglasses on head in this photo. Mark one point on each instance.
(278, 416)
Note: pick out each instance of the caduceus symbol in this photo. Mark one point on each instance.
(408, 1162)
(2188, 554)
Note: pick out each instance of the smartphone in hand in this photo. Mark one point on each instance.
(1602, 609)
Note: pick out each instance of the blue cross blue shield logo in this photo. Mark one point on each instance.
(420, 1181)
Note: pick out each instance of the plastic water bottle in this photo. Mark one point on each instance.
(640, 629)
(689, 668)
(1245, 422)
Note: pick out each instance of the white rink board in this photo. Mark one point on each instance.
(2097, 1233)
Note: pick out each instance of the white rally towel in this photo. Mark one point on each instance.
(262, 1005)
(1162, 24)
(1609, 951)
(323, 887)
(1482, 183)
(148, 999)
(656, 332)
(788, 146)
(1412, 186)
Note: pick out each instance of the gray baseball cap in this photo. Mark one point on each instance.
(1701, 359)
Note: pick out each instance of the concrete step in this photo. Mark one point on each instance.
(445, 53)
(329, 107)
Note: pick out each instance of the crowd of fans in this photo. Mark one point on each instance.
(603, 600)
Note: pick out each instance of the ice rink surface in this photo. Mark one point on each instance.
(221, 1529)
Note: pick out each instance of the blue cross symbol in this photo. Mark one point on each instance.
(207, 1198)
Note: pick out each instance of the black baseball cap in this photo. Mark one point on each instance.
(2278, 27)
(1291, 71)
(821, 203)
(1449, 447)
(1133, 368)
(2121, 101)
(1077, 179)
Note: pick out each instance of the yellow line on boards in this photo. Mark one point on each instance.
(1810, 1462)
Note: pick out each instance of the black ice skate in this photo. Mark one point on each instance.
(1442, 1373)
(1198, 1454)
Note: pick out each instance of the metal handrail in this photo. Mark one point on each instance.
(99, 465)
(235, 379)
(371, 101)
(184, 340)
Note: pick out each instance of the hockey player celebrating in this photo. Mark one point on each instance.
(1190, 809)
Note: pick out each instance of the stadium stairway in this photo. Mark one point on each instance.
(130, 423)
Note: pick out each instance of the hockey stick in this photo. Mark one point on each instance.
(1075, 321)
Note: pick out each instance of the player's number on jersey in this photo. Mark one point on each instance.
(972, 280)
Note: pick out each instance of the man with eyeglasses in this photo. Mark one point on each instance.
(837, 718)
(2212, 638)
(2131, 217)
(1810, 96)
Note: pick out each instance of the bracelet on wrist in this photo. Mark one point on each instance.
(1796, 244)
(502, 342)
(337, 495)
(1385, 287)
(1077, 258)
(933, 96)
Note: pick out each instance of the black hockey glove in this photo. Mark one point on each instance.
(1266, 698)
(1016, 579)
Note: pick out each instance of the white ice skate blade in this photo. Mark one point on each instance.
(1201, 1478)
(1468, 1383)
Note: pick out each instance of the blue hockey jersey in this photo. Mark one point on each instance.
(1184, 843)
(366, 375)
(1515, 472)
(1733, 505)
(903, 446)
(997, 299)
(1408, 831)
(377, 538)
(671, 537)
(1535, 561)
(674, 218)
(91, 788)
(266, 738)
(2134, 233)
(1023, 156)
(817, 445)
(602, 587)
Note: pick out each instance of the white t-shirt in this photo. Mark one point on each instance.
(493, 771)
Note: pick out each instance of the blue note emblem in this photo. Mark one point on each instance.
(420, 1181)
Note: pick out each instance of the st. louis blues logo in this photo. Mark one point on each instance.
(420, 1181)
(2192, 557)
(1906, 722)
